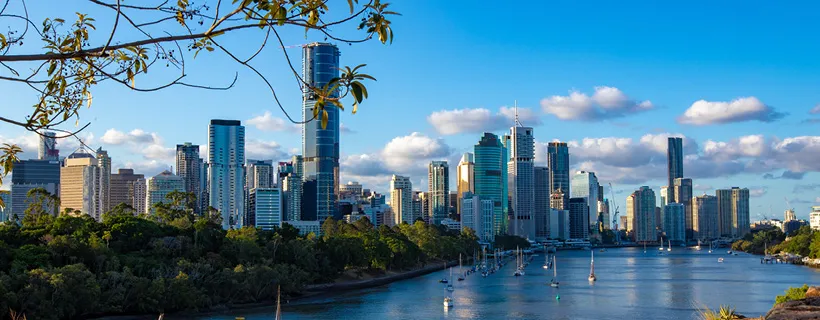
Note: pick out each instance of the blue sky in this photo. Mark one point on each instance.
(455, 64)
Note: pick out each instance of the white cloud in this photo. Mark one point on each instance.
(28, 143)
(757, 192)
(148, 168)
(267, 122)
(745, 146)
(815, 110)
(158, 152)
(137, 136)
(605, 103)
(406, 151)
(449, 122)
(704, 112)
(264, 150)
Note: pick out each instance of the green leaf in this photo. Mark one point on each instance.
(324, 119)
(356, 89)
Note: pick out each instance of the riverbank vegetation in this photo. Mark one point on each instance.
(804, 242)
(71, 266)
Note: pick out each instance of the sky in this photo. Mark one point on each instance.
(737, 79)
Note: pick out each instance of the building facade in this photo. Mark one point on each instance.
(705, 217)
(465, 178)
(521, 177)
(674, 222)
(226, 171)
(401, 200)
(683, 195)
(542, 203)
(674, 158)
(585, 185)
(104, 186)
(559, 224)
(265, 208)
(578, 215)
(27, 175)
(491, 177)
(320, 146)
(47, 148)
(79, 184)
(478, 215)
(814, 217)
(643, 215)
(740, 212)
(128, 188)
(558, 164)
(190, 168)
(290, 185)
(159, 186)
(438, 183)
(724, 202)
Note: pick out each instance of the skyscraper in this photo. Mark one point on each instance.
(558, 200)
(521, 177)
(320, 147)
(79, 184)
(401, 200)
(705, 217)
(683, 195)
(125, 188)
(104, 186)
(542, 203)
(674, 159)
(740, 212)
(47, 148)
(259, 174)
(674, 222)
(226, 171)
(31, 174)
(578, 215)
(189, 167)
(788, 215)
(265, 208)
(491, 177)
(159, 186)
(290, 185)
(585, 185)
(558, 164)
(724, 203)
(643, 215)
(465, 178)
(478, 215)
(438, 183)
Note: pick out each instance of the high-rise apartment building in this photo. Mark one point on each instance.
(542, 203)
(47, 148)
(104, 186)
(290, 185)
(674, 159)
(788, 215)
(438, 184)
(491, 177)
(31, 174)
(585, 185)
(159, 186)
(558, 164)
(226, 171)
(814, 218)
(465, 178)
(578, 215)
(558, 200)
(665, 196)
(401, 200)
(521, 177)
(705, 217)
(674, 222)
(642, 211)
(265, 208)
(191, 169)
(79, 184)
(320, 146)
(603, 213)
(724, 203)
(740, 212)
(259, 174)
(683, 195)
(128, 188)
(478, 215)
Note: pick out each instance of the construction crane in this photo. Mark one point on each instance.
(788, 204)
(615, 214)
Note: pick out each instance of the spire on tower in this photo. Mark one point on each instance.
(515, 106)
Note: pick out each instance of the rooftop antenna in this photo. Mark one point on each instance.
(517, 123)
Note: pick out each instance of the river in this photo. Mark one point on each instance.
(631, 285)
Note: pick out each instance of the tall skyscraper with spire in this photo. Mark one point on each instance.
(320, 146)
(521, 177)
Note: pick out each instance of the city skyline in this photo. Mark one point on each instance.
(741, 144)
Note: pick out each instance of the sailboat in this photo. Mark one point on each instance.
(710, 246)
(450, 285)
(278, 303)
(554, 281)
(546, 258)
(448, 300)
(661, 248)
(460, 273)
(669, 248)
(644, 247)
(519, 261)
(698, 246)
(592, 277)
(766, 256)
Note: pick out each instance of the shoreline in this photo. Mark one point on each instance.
(311, 291)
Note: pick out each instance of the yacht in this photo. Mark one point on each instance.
(669, 248)
(592, 277)
(448, 302)
(661, 248)
(720, 260)
(450, 285)
(554, 281)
